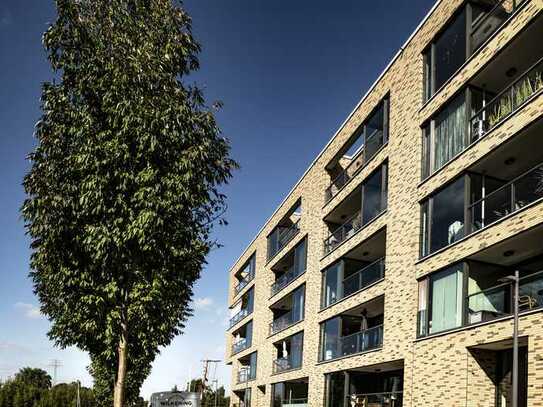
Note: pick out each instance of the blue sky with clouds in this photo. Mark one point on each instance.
(288, 73)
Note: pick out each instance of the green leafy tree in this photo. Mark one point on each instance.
(124, 186)
(26, 389)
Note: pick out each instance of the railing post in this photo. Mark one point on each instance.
(513, 197)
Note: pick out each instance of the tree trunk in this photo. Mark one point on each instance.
(118, 394)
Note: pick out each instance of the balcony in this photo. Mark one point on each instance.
(490, 19)
(282, 323)
(288, 311)
(497, 186)
(497, 92)
(289, 353)
(364, 277)
(359, 150)
(239, 316)
(497, 301)
(354, 331)
(379, 385)
(472, 291)
(358, 269)
(281, 237)
(290, 267)
(243, 283)
(247, 368)
(363, 205)
(511, 197)
(373, 144)
(245, 375)
(240, 345)
(290, 393)
(242, 308)
(507, 102)
(242, 338)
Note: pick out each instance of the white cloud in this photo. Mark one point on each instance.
(30, 311)
(203, 302)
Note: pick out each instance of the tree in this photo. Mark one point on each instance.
(26, 389)
(124, 187)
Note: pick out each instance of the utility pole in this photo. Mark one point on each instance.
(515, 279)
(55, 364)
(206, 363)
(78, 395)
(216, 390)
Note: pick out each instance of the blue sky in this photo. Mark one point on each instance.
(288, 72)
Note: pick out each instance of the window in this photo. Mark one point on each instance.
(443, 218)
(252, 365)
(331, 284)
(330, 331)
(445, 55)
(451, 130)
(440, 301)
(374, 194)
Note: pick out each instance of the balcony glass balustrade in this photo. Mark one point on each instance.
(364, 277)
(281, 237)
(507, 101)
(497, 301)
(243, 283)
(240, 345)
(514, 195)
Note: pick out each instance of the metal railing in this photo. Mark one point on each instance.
(497, 301)
(488, 23)
(285, 235)
(246, 374)
(387, 399)
(507, 101)
(364, 277)
(283, 322)
(285, 364)
(514, 195)
(239, 316)
(371, 338)
(373, 143)
(287, 278)
(298, 402)
(342, 233)
(240, 345)
(244, 282)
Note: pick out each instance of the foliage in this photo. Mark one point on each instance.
(520, 92)
(32, 388)
(123, 189)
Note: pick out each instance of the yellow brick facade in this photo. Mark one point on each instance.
(439, 370)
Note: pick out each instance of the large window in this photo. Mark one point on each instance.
(443, 218)
(445, 54)
(374, 194)
(440, 301)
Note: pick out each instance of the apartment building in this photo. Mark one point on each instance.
(381, 278)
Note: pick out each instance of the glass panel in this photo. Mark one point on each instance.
(298, 304)
(278, 389)
(446, 302)
(422, 313)
(426, 153)
(372, 197)
(300, 258)
(335, 389)
(331, 283)
(450, 50)
(489, 304)
(447, 211)
(427, 57)
(450, 132)
(329, 338)
(364, 277)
